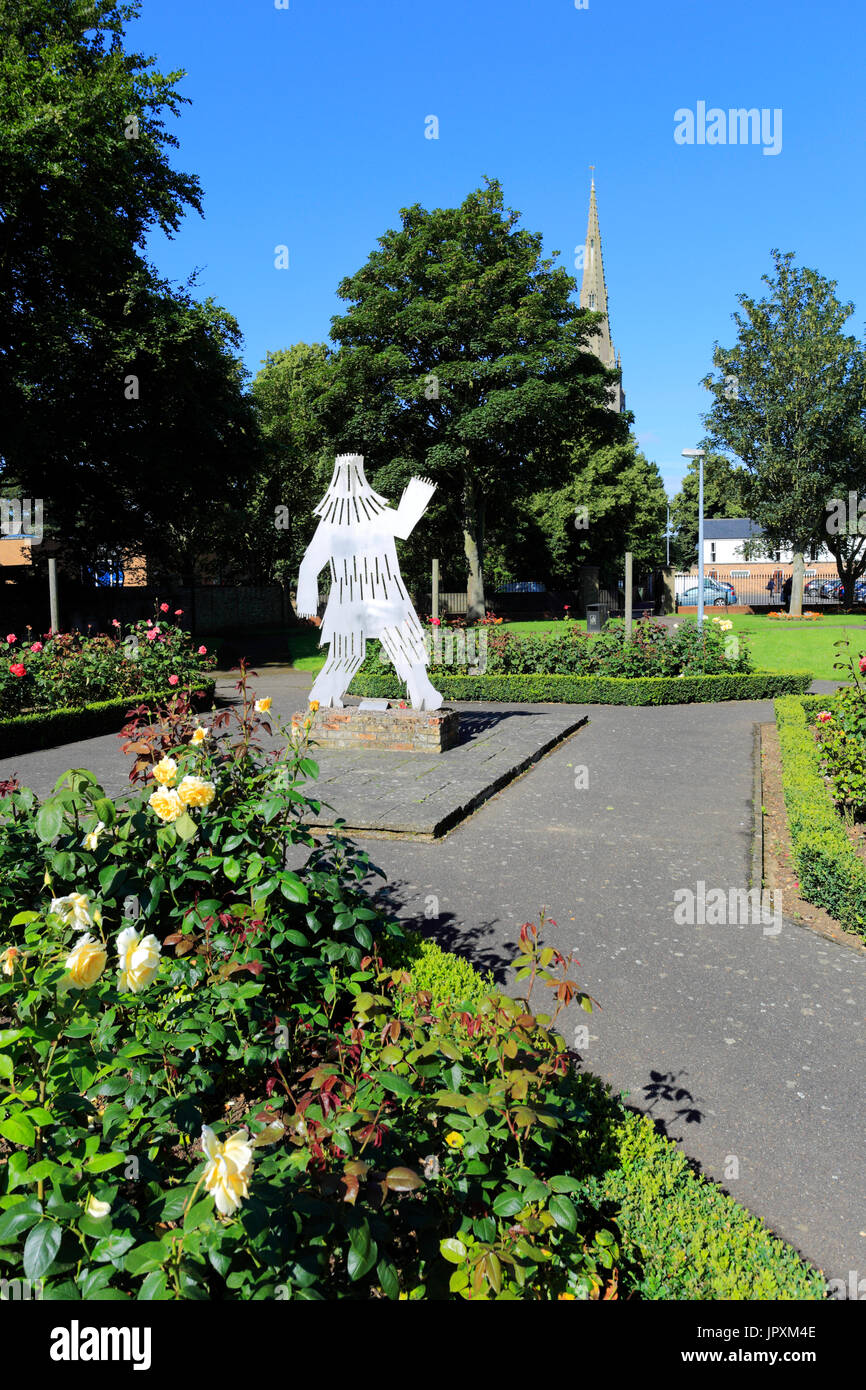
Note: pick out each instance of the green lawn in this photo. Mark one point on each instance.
(775, 645)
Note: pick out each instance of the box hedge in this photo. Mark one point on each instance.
(593, 690)
(48, 728)
(831, 873)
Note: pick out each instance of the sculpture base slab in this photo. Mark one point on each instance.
(392, 730)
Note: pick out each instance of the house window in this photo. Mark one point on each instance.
(712, 552)
(778, 557)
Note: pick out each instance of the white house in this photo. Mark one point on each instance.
(725, 538)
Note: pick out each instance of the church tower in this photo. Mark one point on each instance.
(593, 295)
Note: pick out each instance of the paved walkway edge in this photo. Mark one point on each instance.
(441, 827)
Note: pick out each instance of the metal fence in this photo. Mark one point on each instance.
(733, 587)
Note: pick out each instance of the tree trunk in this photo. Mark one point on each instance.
(796, 605)
(473, 548)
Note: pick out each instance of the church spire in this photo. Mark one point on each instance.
(593, 291)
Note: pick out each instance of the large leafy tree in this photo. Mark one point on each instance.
(298, 458)
(121, 398)
(788, 402)
(614, 501)
(725, 495)
(463, 355)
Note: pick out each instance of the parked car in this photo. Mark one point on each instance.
(715, 594)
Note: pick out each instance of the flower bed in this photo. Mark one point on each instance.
(220, 1079)
(29, 731)
(830, 872)
(70, 670)
(776, 615)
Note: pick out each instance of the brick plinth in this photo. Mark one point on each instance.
(393, 730)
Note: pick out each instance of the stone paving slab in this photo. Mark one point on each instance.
(423, 796)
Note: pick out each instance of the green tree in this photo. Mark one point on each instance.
(277, 520)
(463, 356)
(121, 398)
(788, 400)
(725, 495)
(613, 502)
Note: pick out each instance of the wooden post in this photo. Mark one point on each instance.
(628, 587)
(52, 595)
(435, 598)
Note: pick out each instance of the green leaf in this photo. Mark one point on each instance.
(292, 888)
(145, 1258)
(155, 1287)
(476, 1104)
(100, 1163)
(40, 1249)
(363, 1253)
(563, 1211)
(198, 1214)
(19, 1218)
(232, 868)
(509, 1203)
(398, 1085)
(562, 1183)
(185, 826)
(389, 1281)
(18, 1130)
(453, 1250)
(49, 821)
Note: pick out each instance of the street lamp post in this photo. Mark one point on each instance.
(699, 454)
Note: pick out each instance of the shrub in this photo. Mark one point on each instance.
(42, 730)
(71, 670)
(593, 690)
(830, 872)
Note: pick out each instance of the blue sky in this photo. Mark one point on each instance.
(307, 129)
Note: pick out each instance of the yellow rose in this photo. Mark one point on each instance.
(91, 840)
(199, 736)
(262, 706)
(139, 959)
(195, 791)
(166, 803)
(229, 1168)
(95, 1208)
(74, 909)
(454, 1140)
(314, 705)
(85, 963)
(165, 772)
(8, 959)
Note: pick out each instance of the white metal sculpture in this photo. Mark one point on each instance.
(355, 536)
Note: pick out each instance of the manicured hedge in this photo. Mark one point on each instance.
(831, 873)
(594, 690)
(698, 1242)
(51, 727)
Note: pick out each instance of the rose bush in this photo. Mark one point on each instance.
(68, 670)
(218, 1078)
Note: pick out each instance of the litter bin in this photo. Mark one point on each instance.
(597, 615)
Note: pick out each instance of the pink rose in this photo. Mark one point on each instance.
(437, 622)
(115, 622)
(178, 612)
(862, 664)
(163, 608)
(11, 638)
(202, 651)
(149, 623)
(173, 680)
(824, 716)
(37, 647)
(153, 634)
(17, 669)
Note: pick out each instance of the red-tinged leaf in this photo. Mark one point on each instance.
(352, 1187)
(255, 967)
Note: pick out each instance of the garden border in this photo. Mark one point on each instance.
(594, 690)
(831, 874)
(700, 1242)
(48, 728)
